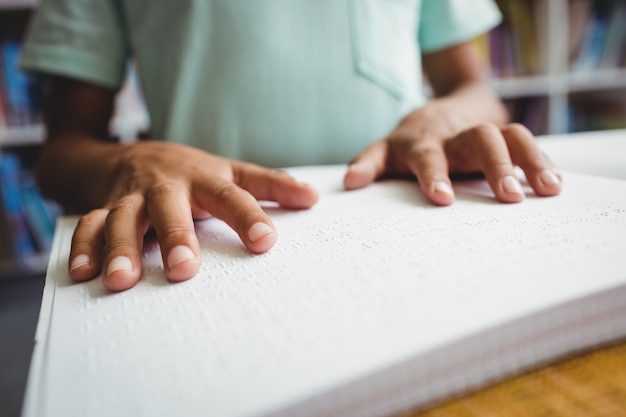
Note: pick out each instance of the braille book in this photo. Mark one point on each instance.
(371, 303)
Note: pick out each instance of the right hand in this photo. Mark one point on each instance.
(166, 186)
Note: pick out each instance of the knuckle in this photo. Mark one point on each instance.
(500, 166)
(484, 129)
(225, 193)
(175, 231)
(86, 246)
(425, 152)
(122, 207)
(93, 219)
(247, 216)
(162, 190)
(516, 129)
(121, 245)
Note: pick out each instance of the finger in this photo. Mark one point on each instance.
(490, 148)
(125, 227)
(366, 167)
(170, 213)
(541, 174)
(240, 210)
(274, 185)
(429, 164)
(87, 246)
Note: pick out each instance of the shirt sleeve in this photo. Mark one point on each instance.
(82, 39)
(445, 23)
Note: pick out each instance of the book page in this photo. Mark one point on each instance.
(362, 281)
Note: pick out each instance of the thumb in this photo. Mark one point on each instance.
(366, 167)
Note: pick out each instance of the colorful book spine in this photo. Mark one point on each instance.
(20, 93)
(514, 49)
(38, 218)
(23, 244)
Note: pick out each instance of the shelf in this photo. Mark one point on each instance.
(17, 4)
(597, 80)
(543, 85)
(34, 265)
(30, 135)
(537, 85)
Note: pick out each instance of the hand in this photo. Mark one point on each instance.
(422, 146)
(166, 186)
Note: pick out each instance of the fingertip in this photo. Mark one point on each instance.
(182, 263)
(118, 282)
(291, 194)
(441, 193)
(312, 196)
(120, 274)
(303, 197)
(358, 176)
(261, 237)
(81, 268)
(549, 182)
(510, 190)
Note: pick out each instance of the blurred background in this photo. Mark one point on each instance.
(559, 65)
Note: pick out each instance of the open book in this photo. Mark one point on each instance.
(371, 303)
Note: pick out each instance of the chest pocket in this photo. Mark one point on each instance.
(384, 43)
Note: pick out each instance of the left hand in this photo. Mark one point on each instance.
(421, 146)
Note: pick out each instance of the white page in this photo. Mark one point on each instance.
(364, 280)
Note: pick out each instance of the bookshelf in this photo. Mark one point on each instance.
(21, 133)
(559, 64)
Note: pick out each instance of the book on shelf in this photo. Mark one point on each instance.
(3, 122)
(513, 44)
(588, 112)
(614, 52)
(21, 238)
(579, 12)
(600, 34)
(7, 253)
(371, 303)
(531, 112)
(27, 218)
(19, 91)
(596, 37)
(40, 213)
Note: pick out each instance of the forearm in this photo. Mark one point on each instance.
(77, 170)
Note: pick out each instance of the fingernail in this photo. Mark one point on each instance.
(258, 230)
(178, 255)
(510, 184)
(78, 261)
(443, 187)
(119, 263)
(549, 177)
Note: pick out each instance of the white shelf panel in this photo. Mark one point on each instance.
(597, 80)
(17, 4)
(544, 85)
(30, 135)
(539, 85)
(36, 264)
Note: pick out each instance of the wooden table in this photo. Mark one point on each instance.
(588, 385)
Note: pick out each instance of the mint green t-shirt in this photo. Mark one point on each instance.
(276, 82)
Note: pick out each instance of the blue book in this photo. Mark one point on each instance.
(23, 244)
(21, 103)
(36, 212)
